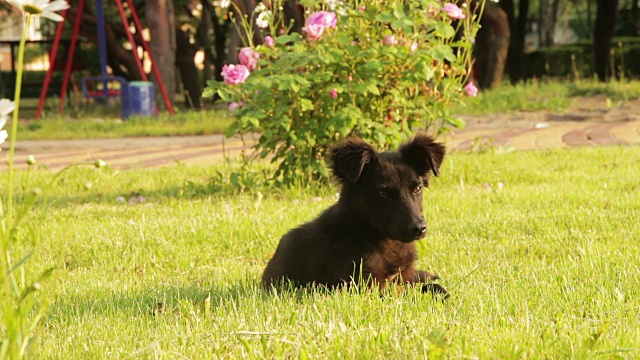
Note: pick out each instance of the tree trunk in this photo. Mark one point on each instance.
(517, 24)
(161, 23)
(519, 70)
(492, 45)
(293, 13)
(220, 32)
(604, 30)
(635, 17)
(589, 18)
(548, 17)
(185, 55)
(204, 34)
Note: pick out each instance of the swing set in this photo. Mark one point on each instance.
(97, 87)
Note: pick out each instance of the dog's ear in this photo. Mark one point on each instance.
(422, 153)
(349, 158)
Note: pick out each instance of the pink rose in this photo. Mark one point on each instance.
(235, 74)
(453, 11)
(234, 105)
(333, 93)
(314, 32)
(471, 89)
(362, 8)
(324, 18)
(268, 41)
(248, 58)
(389, 40)
(414, 47)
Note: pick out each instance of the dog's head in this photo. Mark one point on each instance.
(385, 189)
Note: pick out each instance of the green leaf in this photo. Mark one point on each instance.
(306, 104)
(456, 122)
(251, 122)
(444, 30)
(441, 52)
(373, 89)
(423, 71)
(308, 3)
(285, 123)
(373, 65)
(359, 88)
(255, 113)
(289, 38)
(404, 24)
(294, 86)
(385, 18)
(208, 92)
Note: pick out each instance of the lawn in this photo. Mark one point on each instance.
(547, 95)
(187, 123)
(545, 266)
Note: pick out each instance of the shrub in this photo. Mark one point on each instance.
(378, 70)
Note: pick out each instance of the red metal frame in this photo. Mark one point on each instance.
(72, 51)
(125, 22)
(52, 61)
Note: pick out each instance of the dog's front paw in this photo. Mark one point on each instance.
(425, 276)
(436, 289)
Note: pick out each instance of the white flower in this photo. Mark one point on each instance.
(3, 136)
(263, 19)
(337, 6)
(260, 8)
(225, 4)
(6, 107)
(42, 8)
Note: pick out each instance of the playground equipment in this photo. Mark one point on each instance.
(98, 87)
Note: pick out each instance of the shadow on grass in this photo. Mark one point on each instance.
(189, 300)
(214, 187)
(160, 301)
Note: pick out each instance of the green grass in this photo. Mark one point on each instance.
(185, 123)
(546, 267)
(545, 95)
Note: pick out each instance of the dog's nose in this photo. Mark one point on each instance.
(418, 229)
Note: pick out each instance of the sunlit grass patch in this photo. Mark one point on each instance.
(543, 266)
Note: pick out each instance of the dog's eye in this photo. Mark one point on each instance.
(383, 194)
(417, 189)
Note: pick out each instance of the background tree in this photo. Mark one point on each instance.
(628, 22)
(492, 46)
(549, 11)
(582, 20)
(635, 15)
(518, 27)
(161, 22)
(603, 33)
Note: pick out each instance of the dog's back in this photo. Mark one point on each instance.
(373, 227)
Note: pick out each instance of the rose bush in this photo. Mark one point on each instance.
(378, 70)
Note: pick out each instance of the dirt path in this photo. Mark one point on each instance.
(589, 122)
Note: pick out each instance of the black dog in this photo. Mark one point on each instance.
(374, 225)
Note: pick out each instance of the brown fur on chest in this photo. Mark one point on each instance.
(390, 258)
